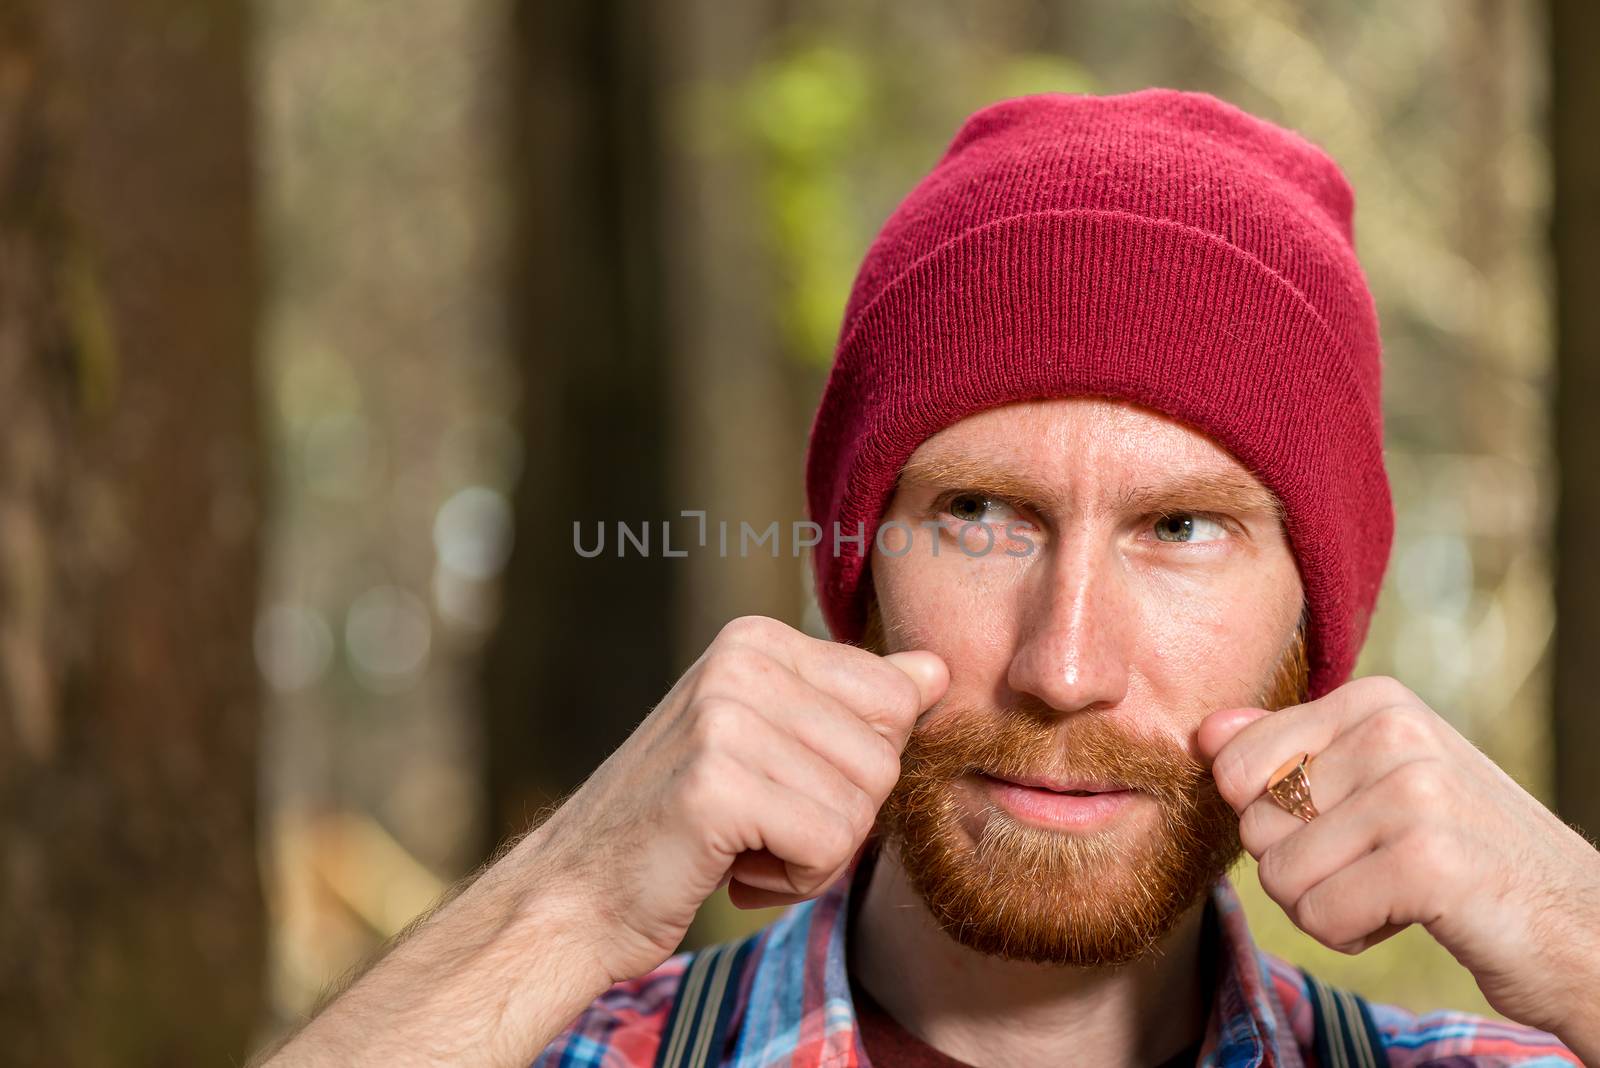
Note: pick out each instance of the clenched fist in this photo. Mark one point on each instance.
(763, 768)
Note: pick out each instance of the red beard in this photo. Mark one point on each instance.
(1060, 897)
(1057, 897)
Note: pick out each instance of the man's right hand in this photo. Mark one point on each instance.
(763, 768)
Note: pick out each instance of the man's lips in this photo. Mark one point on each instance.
(1058, 803)
(1058, 785)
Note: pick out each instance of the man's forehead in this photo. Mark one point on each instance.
(1112, 454)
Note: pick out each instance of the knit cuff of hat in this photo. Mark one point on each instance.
(1097, 302)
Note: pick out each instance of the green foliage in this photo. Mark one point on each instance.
(807, 112)
(1037, 72)
(818, 115)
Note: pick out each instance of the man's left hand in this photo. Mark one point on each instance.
(1416, 825)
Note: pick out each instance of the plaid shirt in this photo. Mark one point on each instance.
(794, 1009)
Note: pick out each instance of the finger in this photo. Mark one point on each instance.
(832, 731)
(762, 869)
(1264, 823)
(926, 669)
(1246, 761)
(1220, 727)
(760, 879)
(811, 838)
(1361, 945)
(1354, 764)
(789, 762)
(852, 675)
(887, 692)
(1353, 908)
(746, 896)
(1298, 858)
(807, 813)
(756, 879)
(930, 673)
(864, 682)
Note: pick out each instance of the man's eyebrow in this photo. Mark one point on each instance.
(957, 472)
(1219, 491)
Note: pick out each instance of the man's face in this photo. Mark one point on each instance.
(1053, 806)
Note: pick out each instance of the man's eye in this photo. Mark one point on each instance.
(978, 508)
(1188, 527)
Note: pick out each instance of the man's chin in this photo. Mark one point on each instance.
(1011, 864)
(1021, 891)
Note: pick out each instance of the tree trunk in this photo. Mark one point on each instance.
(130, 913)
(1575, 233)
(584, 646)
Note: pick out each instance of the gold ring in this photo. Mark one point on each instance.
(1290, 788)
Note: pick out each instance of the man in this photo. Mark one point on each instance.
(1104, 421)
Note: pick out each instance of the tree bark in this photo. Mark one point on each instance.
(1575, 234)
(130, 922)
(584, 646)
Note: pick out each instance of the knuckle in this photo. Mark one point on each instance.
(1270, 870)
(754, 629)
(809, 880)
(716, 722)
(859, 817)
(885, 768)
(1253, 832)
(733, 662)
(838, 841)
(1387, 689)
(1311, 915)
(831, 843)
(706, 786)
(1418, 786)
(1397, 728)
(802, 881)
(904, 699)
(1431, 855)
(1229, 772)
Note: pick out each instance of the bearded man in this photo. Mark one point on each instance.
(1099, 467)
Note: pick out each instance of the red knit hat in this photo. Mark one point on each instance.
(1162, 247)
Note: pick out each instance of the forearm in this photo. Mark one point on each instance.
(1583, 1041)
(489, 979)
(1581, 1030)
(1573, 958)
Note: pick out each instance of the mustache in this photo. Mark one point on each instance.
(1031, 739)
(1028, 893)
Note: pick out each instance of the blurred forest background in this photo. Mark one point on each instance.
(320, 322)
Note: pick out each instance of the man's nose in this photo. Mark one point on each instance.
(1074, 645)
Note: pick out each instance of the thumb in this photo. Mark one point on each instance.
(1222, 726)
(927, 670)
